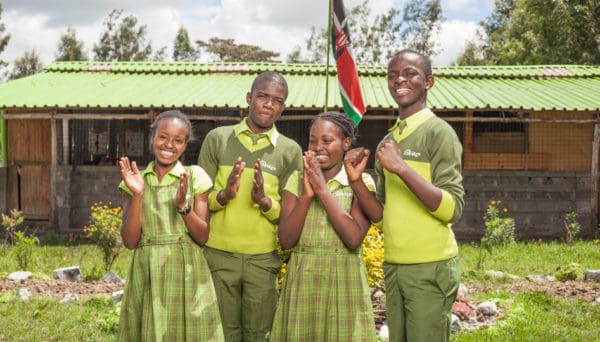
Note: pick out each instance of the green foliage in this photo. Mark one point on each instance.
(499, 229)
(182, 47)
(572, 227)
(4, 38)
(110, 320)
(105, 230)
(539, 32)
(10, 224)
(422, 21)
(226, 50)
(23, 250)
(569, 272)
(122, 39)
(70, 48)
(26, 65)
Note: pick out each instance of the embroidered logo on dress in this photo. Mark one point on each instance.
(409, 153)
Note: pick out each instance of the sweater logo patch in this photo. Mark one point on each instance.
(265, 165)
(410, 153)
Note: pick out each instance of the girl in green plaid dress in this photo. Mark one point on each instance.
(325, 296)
(169, 294)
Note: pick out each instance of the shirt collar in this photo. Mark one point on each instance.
(341, 178)
(412, 121)
(243, 127)
(176, 171)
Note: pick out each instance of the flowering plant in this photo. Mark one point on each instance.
(105, 230)
(499, 229)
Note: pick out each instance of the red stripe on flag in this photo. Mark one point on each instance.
(347, 72)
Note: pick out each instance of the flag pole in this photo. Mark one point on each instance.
(329, 16)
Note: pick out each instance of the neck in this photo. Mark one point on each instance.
(405, 112)
(332, 171)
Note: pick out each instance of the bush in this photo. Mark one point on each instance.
(24, 249)
(373, 257)
(105, 230)
(499, 230)
(10, 224)
(572, 227)
(569, 272)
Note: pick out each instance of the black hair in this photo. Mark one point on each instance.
(425, 61)
(172, 114)
(341, 120)
(271, 76)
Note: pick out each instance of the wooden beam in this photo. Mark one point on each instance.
(53, 160)
(595, 179)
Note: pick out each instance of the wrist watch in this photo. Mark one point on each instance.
(185, 210)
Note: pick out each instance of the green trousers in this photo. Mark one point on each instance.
(419, 300)
(246, 288)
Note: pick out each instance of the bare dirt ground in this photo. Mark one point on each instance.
(578, 289)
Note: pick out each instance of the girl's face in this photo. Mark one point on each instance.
(328, 143)
(169, 141)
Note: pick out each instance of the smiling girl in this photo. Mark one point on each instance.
(325, 296)
(169, 294)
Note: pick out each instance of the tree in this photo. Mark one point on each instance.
(28, 64)
(122, 40)
(538, 32)
(422, 20)
(3, 38)
(70, 48)
(374, 41)
(182, 47)
(227, 50)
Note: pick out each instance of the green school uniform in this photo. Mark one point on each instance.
(169, 294)
(325, 296)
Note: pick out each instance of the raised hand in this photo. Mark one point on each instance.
(390, 158)
(181, 196)
(313, 172)
(131, 176)
(355, 163)
(233, 182)
(258, 189)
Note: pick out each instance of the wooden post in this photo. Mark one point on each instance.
(595, 179)
(53, 169)
(468, 133)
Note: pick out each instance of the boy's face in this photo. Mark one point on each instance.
(266, 103)
(407, 81)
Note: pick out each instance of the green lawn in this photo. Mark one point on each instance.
(528, 316)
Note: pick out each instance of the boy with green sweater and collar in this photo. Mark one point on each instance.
(245, 206)
(419, 186)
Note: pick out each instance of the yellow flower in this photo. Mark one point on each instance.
(505, 210)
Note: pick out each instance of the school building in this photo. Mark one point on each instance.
(531, 134)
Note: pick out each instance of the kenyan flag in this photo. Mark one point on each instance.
(352, 98)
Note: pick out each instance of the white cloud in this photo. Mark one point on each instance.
(452, 39)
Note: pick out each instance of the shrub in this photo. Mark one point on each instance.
(10, 224)
(569, 272)
(373, 257)
(24, 249)
(499, 230)
(105, 230)
(572, 227)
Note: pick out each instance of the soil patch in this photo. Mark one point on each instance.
(574, 289)
(59, 288)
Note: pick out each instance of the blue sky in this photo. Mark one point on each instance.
(276, 25)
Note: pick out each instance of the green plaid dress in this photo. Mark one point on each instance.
(325, 296)
(169, 295)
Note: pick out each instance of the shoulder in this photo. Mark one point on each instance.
(221, 131)
(287, 144)
(368, 180)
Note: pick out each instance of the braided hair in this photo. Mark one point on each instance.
(341, 120)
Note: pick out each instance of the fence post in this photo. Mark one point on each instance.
(595, 178)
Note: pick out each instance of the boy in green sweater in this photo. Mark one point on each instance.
(245, 206)
(419, 186)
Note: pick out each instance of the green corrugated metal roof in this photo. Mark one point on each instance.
(218, 85)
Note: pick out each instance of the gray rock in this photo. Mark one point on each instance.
(69, 297)
(117, 296)
(19, 275)
(24, 293)
(72, 273)
(462, 292)
(597, 301)
(455, 325)
(494, 274)
(113, 277)
(487, 308)
(592, 275)
(536, 278)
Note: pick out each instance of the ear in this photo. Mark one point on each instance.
(347, 144)
(429, 82)
(248, 98)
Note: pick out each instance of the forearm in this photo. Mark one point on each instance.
(290, 226)
(197, 227)
(131, 227)
(367, 201)
(343, 223)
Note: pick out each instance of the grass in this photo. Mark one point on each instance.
(528, 316)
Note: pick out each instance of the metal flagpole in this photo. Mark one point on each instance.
(329, 24)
